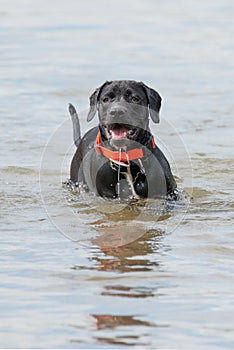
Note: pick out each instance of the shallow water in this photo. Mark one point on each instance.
(78, 272)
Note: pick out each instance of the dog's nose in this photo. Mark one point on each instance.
(116, 112)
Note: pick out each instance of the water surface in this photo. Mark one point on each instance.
(169, 287)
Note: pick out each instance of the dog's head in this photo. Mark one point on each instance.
(124, 107)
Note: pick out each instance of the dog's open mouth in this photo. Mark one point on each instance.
(121, 131)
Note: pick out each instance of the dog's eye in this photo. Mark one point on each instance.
(108, 98)
(135, 99)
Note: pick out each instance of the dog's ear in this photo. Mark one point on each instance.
(93, 101)
(154, 102)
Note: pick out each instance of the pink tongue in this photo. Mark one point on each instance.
(119, 133)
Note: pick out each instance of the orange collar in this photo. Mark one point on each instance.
(119, 156)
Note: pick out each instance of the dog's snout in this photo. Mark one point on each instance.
(116, 112)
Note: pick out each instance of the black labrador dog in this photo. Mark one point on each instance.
(119, 158)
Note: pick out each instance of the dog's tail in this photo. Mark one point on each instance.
(76, 124)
